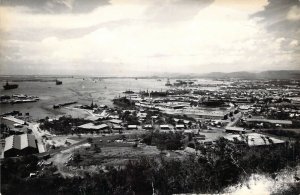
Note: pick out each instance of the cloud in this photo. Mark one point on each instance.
(175, 10)
(281, 17)
(56, 6)
(136, 37)
(294, 13)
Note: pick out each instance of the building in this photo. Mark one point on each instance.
(165, 128)
(237, 130)
(117, 127)
(115, 121)
(148, 127)
(20, 145)
(274, 123)
(90, 127)
(179, 126)
(255, 139)
(132, 127)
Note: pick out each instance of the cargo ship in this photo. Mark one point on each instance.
(8, 86)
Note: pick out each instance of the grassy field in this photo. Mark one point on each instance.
(115, 154)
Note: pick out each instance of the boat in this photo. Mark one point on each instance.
(128, 92)
(58, 82)
(55, 106)
(23, 101)
(8, 86)
(168, 83)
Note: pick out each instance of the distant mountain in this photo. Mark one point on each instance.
(274, 74)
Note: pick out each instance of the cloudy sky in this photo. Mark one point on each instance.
(147, 37)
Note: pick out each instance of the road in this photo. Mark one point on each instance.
(237, 118)
(38, 135)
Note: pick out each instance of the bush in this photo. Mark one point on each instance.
(164, 141)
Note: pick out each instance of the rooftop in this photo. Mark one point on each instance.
(92, 126)
(283, 122)
(20, 142)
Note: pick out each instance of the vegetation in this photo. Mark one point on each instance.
(164, 141)
(130, 118)
(4, 129)
(218, 167)
(123, 102)
(64, 125)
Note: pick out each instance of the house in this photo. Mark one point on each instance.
(131, 127)
(179, 127)
(164, 127)
(176, 120)
(148, 127)
(20, 145)
(117, 127)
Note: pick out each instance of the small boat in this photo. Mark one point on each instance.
(58, 82)
(8, 86)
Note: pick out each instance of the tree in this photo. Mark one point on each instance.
(77, 158)
(97, 149)
(90, 140)
(191, 145)
(225, 116)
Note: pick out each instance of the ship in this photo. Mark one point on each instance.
(128, 92)
(168, 83)
(58, 82)
(8, 86)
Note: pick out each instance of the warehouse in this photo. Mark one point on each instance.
(19, 145)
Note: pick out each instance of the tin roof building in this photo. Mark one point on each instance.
(19, 145)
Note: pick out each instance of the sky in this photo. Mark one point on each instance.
(148, 37)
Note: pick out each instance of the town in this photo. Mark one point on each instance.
(188, 119)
